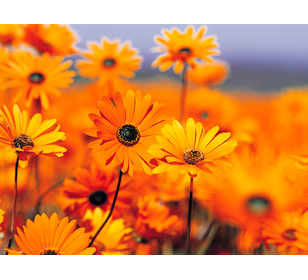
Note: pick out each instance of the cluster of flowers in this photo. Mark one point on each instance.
(155, 180)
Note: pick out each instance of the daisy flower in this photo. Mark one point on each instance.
(95, 188)
(54, 39)
(29, 137)
(35, 78)
(52, 237)
(180, 48)
(109, 61)
(191, 152)
(126, 130)
(10, 34)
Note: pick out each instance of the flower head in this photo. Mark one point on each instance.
(29, 137)
(52, 237)
(191, 151)
(10, 34)
(54, 39)
(36, 77)
(126, 130)
(95, 188)
(109, 61)
(186, 47)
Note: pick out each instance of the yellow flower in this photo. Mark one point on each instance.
(29, 137)
(191, 151)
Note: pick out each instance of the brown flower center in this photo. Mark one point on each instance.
(289, 234)
(109, 62)
(128, 135)
(36, 78)
(98, 198)
(23, 140)
(258, 205)
(50, 252)
(193, 156)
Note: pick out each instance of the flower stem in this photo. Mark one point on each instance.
(14, 205)
(37, 177)
(183, 93)
(111, 209)
(189, 216)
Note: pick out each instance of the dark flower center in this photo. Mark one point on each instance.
(109, 62)
(49, 252)
(23, 140)
(193, 156)
(289, 234)
(128, 135)
(36, 78)
(98, 198)
(258, 205)
(186, 51)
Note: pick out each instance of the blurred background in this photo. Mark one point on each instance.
(262, 57)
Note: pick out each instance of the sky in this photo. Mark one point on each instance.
(262, 57)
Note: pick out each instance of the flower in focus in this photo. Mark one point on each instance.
(126, 130)
(191, 151)
(54, 39)
(29, 137)
(289, 234)
(109, 61)
(95, 188)
(208, 74)
(10, 34)
(114, 238)
(36, 77)
(52, 237)
(181, 48)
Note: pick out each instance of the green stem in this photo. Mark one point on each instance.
(189, 216)
(183, 93)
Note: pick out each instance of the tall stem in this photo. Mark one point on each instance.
(14, 205)
(111, 209)
(37, 177)
(183, 93)
(189, 216)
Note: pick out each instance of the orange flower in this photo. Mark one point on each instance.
(184, 48)
(208, 74)
(126, 130)
(109, 61)
(191, 151)
(114, 238)
(10, 34)
(50, 237)
(54, 39)
(29, 137)
(290, 233)
(95, 188)
(36, 77)
(1, 216)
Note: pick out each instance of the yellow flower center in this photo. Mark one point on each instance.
(23, 140)
(50, 252)
(36, 78)
(128, 135)
(289, 234)
(109, 62)
(98, 198)
(258, 205)
(193, 156)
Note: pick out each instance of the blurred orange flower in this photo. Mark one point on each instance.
(95, 188)
(114, 238)
(1, 216)
(181, 48)
(10, 34)
(289, 233)
(36, 77)
(29, 137)
(191, 152)
(109, 61)
(126, 130)
(54, 39)
(52, 237)
(208, 74)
